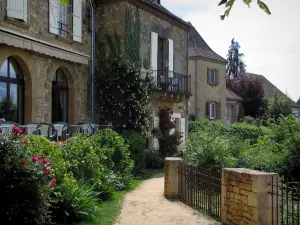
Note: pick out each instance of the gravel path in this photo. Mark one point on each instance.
(147, 206)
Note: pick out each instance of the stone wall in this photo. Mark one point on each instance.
(38, 73)
(171, 176)
(202, 92)
(38, 27)
(245, 197)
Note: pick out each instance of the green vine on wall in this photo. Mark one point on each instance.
(132, 35)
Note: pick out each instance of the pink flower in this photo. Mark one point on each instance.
(22, 162)
(45, 161)
(53, 142)
(47, 172)
(35, 158)
(53, 183)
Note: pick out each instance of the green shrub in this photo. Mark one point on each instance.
(137, 145)
(78, 202)
(117, 154)
(153, 159)
(26, 182)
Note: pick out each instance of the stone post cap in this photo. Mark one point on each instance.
(248, 171)
(173, 159)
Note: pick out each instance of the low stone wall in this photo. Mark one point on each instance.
(171, 177)
(246, 198)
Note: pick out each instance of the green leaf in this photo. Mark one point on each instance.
(229, 3)
(264, 7)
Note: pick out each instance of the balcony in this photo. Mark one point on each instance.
(174, 86)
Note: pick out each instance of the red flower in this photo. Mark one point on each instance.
(21, 131)
(47, 172)
(45, 161)
(23, 142)
(22, 162)
(53, 142)
(14, 138)
(17, 130)
(61, 142)
(35, 158)
(53, 183)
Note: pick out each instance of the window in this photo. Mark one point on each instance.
(163, 54)
(17, 9)
(227, 113)
(62, 20)
(11, 91)
(59, 97)
(212, 110)
(212, 76)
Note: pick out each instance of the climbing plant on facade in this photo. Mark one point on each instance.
(122, 97)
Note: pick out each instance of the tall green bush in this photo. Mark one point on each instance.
(137, 145)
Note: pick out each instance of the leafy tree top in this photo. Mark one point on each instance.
(236, 64)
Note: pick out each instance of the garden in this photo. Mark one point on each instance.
(69, 182)
(274, 147)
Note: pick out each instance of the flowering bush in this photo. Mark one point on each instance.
(169, 138)
(26, 183)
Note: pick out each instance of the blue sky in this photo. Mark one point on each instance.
(271, 44)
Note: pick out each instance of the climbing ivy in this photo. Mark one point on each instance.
(132, 36)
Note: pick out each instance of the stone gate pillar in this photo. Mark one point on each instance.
(246, 198)
(171, 176)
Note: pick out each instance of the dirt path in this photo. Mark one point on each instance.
(147, 206)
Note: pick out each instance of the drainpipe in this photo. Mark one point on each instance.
(93, 62)
(196, 96)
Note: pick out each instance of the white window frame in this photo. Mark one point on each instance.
(212, 110)
(212, 76)
(17, 9)
(62, 17)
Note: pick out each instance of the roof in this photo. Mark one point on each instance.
(268, 86)
(231, 95)
(165, 11)
(198, 47)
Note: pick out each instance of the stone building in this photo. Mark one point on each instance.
(208, 75)
(233, 107)
(45, 51)
(163, 40)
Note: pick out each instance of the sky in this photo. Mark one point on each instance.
(270, 43)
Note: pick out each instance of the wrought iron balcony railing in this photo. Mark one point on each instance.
(170, 81)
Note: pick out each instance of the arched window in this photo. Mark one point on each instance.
(11, 91)
(59, 97)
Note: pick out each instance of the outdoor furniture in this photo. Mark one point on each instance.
(62, 130)
(47, 130)
(86, 128)
(7, 127)
(31, 128)
(97, 127)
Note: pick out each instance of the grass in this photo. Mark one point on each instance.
(110, 209)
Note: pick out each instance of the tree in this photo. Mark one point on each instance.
(252, 92)
(122, 97)
(235, 65)
(229, 4)
(298, 102)
(279, 106)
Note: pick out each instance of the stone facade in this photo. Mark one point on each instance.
(39, 64)
(38, 26)
(246, 198)
(172, 177)
(202, 92)
(111, 18)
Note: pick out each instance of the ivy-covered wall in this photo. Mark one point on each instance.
(149, 22)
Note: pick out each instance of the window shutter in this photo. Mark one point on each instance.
(218, 111)
(53, 16)
(208, 79)
(171, 57)
(153, 56)
(207, 109)
(217, 77)
(155, 140)
(182, 128)
(17, 9)
(77, 20)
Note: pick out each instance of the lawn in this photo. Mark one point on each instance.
(110, 209)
